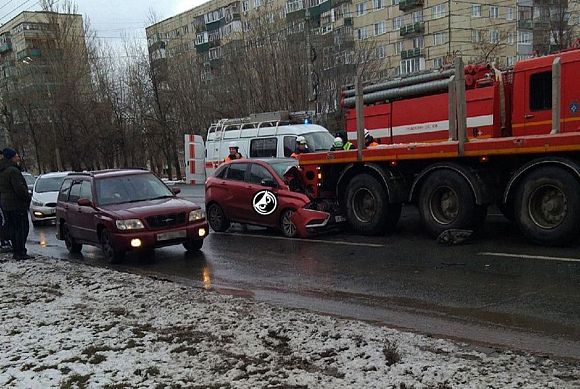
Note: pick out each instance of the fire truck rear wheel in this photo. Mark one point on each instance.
(548, 206)
(447, 202)
(367, 207)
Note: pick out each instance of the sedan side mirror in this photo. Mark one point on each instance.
(176, 190)
(269, 183)
(85, 203)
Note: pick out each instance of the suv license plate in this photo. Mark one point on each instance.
(339, 218)
(172, 235)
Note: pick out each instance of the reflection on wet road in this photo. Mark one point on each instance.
(497, 289)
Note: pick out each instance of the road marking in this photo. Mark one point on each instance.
(299, 239)
(524, 256)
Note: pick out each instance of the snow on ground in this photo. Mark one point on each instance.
(69, 325)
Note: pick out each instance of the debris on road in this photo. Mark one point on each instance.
(71, 325)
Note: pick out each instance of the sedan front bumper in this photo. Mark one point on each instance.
(310, 222)
(38, 213)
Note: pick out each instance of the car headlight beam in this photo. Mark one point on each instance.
(196, 215)
(129, 224)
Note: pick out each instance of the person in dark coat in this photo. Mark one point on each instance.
(15, 201)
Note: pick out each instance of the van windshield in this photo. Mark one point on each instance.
(319, 141)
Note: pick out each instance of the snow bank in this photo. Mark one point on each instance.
(70, 325)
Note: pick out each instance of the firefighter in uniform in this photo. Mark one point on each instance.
(369, 140)
(234, 152)
(346, 145)
(337, 145)
(301, 147)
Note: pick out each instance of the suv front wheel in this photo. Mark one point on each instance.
(111, 253)
(193, 245)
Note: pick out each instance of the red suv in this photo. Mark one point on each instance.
(125, 210)
(263, 192)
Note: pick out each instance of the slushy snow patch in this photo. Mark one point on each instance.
(69, 325)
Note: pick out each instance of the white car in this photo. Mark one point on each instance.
(44, 196)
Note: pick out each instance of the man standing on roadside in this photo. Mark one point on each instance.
(15, 201)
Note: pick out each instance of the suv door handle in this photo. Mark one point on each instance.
(529, 116)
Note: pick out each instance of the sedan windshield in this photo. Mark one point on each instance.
(130, 189)
(281, 167)
(48, 184)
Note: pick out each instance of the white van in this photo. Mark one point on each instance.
(259, 136)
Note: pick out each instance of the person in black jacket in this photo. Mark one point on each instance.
(15, 201)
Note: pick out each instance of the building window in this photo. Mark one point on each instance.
(412, 65)
(398, 47)
(245, 5)
(510, 38)
(509, 13)
(439, 11)
(476, 11)
(475, 36)
(524, 38)
(380, 28)
(214, 53)
(438, 63)
(362, 33)
(439, 38)
(494, 36)
(394, 2)
(418, 42)
(541, 91)
(417, 16)
(378, 4)
(381, 51)
(397, 22)
(257, 3)
(493, 12)
(510, 61)
(360, 9)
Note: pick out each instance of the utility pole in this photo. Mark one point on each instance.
(449, 26)
(360, 120)
(310, 68)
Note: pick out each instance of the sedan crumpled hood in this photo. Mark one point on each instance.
(148, 208)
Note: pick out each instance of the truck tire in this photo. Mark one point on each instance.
(447, 202)
(367, 207)
(548, 206)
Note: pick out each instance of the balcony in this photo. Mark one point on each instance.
(525, 24)
(405, 5)
(542, 24)
(28, 53)
(411, 53)
(318, 7)
(4, 47)
(415, 28)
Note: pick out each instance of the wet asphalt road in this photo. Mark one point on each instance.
(498, 289)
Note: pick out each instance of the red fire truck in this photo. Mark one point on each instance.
(454, 142)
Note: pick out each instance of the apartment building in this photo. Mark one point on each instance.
(387, 37)
(27, 47)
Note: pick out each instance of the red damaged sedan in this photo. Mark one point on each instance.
(254, 191)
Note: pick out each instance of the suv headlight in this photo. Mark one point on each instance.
(37, 203)
(130, 224)
(196, 215)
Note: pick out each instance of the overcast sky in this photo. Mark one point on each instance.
(110, 18)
